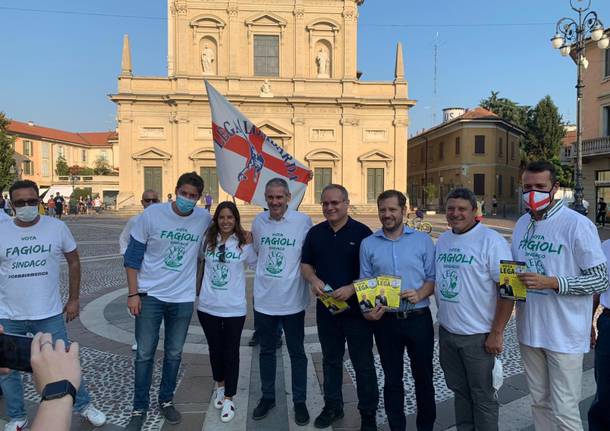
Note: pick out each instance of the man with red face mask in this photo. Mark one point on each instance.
(566, 266)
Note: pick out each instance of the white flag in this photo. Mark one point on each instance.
(246, 158)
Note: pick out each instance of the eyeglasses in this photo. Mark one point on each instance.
(222, 256)
(22, 203)
(154, 201)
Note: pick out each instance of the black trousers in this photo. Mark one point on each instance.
(223, 335)
(416, 334)
(333, 332)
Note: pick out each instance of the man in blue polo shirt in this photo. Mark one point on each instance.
(398, 250)
(330, 257)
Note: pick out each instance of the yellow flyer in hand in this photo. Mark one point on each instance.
(333, 305)
(511, 287)
(366, 290)
(388, 291)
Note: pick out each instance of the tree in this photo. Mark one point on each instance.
(61, 166)
(7, 145)
(506, 109)
(101, 166)
(545, 131)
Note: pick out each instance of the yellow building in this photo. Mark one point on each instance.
(474, 149)
(290, 66)
(37, 149)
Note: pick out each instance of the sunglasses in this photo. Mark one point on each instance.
(222, 257)
(21, 203)
(154, 201)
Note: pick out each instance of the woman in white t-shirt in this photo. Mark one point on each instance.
(222, 301)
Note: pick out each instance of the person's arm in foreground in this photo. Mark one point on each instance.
(52, 364)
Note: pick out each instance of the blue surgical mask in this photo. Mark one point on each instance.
(185, 205)
(27, 213)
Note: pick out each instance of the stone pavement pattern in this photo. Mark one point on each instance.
(105, 331)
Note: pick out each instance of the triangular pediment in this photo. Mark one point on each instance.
(375, 156)
(202, 154)
(151, 153)
(266, 19)
(322, 155)
(273, 130)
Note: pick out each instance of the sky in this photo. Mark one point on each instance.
(57, 68)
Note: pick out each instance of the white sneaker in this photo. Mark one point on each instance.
(219, 398)
(228, 411)
(16, 425)
(134, 347)
(94, 416)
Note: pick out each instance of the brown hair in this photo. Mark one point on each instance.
(211, 239)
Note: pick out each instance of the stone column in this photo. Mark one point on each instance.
(400, 173)
(234, 39)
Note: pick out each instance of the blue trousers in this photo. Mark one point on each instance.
(176, 318)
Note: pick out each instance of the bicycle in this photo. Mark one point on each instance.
(419, 224)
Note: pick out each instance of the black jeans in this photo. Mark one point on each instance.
(416, 333)
(598, 413)
(333, 332)
(223, 335)
(294, 327)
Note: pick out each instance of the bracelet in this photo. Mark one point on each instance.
(132, 295)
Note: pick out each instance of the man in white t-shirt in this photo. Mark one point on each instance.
(471, 315)
(31, 253)
(280, 295)
(149, 197)
(566, 267)
(599, 417)
(161, 265)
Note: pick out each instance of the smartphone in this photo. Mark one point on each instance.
(15, 352)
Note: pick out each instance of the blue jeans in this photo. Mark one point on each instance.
(176, 318)
(599, 419)
(294, 327)
(11, 384)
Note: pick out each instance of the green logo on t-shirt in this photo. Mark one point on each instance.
(174, 256)
(220, 275)
(275, 262)
(449, 287)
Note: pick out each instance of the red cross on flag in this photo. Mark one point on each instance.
(246, 158)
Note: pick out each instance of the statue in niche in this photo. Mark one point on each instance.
(323, 63)
(266, 89)
(207, 60)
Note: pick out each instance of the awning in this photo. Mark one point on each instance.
(65, 191)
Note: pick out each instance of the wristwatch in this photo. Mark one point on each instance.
(59, 389)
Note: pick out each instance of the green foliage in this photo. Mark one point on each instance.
(78, 192)
(7, 145)
(506, 109)
(61, 166)
(80, 170)
(102, 167)
(431, 191)
(544, 131)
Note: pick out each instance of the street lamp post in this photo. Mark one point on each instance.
(570, 35)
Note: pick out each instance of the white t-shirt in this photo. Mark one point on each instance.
(562, 245)
(4, 216)
(279, 288)
(29, 268)
(223, 293)
(125, 236)
(169, 268)
(604, 298)
(467, 270)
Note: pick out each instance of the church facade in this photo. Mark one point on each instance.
(290, 67)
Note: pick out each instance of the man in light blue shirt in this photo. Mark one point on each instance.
(398, 250)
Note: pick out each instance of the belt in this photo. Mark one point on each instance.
(400, 315)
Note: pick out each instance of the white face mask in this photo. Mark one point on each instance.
(26, 214)
(537, 200)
